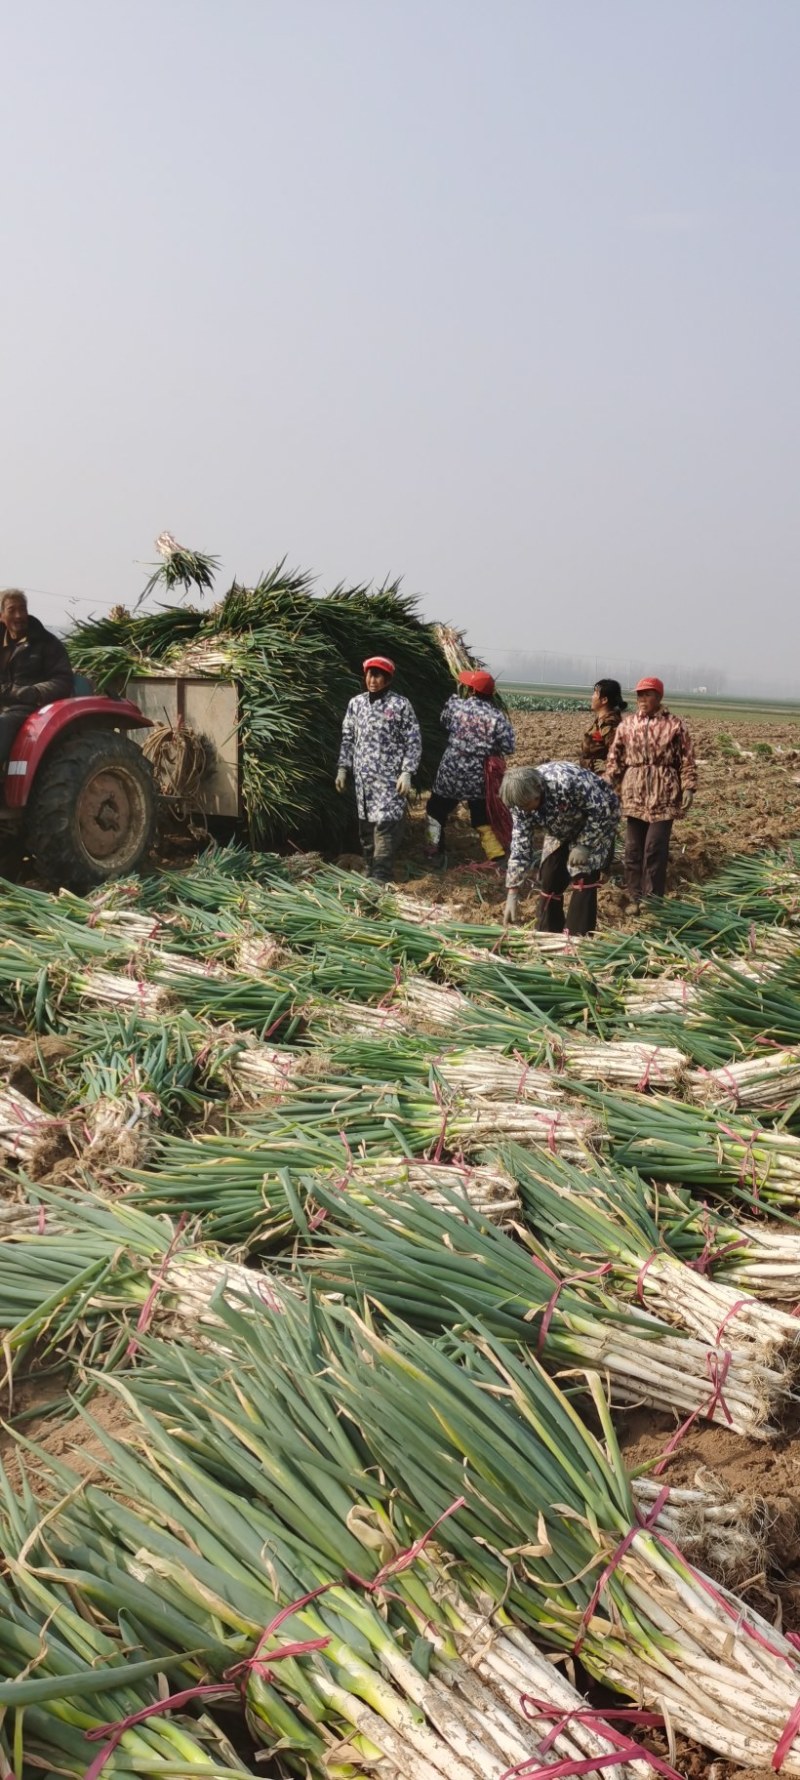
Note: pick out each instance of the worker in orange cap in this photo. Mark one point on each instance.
(651, 765)
(382, 748)
(477, 731)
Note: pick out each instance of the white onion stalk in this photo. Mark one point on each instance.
(28, 1135)
(661, 995)
(728, 1384)
(260, 953)
(624, 1064)
(734, 1680)
(767, 1262)
(193, 1280)
(119, 1131)
(569, 1133)
(171, 964)
(510, 1664)
(717, 1313)
(109, 990)
(488, 1075)
(489, 1191)
(356, 1018)
(261, 1073)
(436, 1009)
(722, 1533)
(759, 1084)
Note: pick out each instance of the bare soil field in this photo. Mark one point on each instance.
(749, 797)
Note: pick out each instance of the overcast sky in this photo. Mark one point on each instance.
(498, 295)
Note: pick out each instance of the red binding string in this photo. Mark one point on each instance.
(526, 1070)
(234, 1681)
(437, 1152)
(640, 1525)
(146, 1311)
(640, 1278)
(644, 1081)
(748, 1159)
(717, 1375)
(406, 1558)
(624, 1749)
(741, 1304)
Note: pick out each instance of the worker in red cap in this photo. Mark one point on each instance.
(477, 731)
(381, 747)
(651, 765)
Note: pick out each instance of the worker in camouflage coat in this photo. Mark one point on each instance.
(578, 814)
(382, 748)
(476, 729)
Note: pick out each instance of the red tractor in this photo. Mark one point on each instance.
(79, 792)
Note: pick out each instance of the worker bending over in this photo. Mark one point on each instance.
(34, 667)
(651, 764)
(477, 731)
(382, 747)
(578, 814)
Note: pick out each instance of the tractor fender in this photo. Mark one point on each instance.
(40, 730)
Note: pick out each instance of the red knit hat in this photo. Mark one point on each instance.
(381, 662)
(480, 682)
(651, 684)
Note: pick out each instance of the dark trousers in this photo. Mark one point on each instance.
(441, 807)
(646, 856)
(379, 844)
(553, 882)
(11, 720)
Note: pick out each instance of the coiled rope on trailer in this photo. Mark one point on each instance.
(180, 761)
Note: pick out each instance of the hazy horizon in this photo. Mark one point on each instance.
(501, 300)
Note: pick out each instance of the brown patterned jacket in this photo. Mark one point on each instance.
(651, 764)
(598, 739)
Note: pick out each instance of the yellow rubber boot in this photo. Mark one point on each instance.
(490, 843)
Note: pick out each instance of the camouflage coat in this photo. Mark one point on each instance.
(476, 729)
(380, 740)
(576, 806)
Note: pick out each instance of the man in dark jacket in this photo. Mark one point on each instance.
(34, 667)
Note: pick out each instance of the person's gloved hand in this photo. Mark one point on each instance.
(510, 910)
(341, 779)
(404, 785)
(687, 799)
(578, 861)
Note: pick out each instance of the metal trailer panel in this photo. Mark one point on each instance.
(211, 709)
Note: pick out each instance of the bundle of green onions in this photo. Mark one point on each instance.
(482, 1421)
(64, 1680)
(190, 1555)
(74, 1282)
(766, 1085)
(725, 1156)
(601, 1217)
(410, 1259)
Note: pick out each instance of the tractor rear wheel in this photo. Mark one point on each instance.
(92, 810)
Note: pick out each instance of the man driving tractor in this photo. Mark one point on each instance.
(34, 667)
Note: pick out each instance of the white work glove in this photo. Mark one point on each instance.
(577, 861)
(510, 910)
(341, 779)
(404, 785)
(687, 799)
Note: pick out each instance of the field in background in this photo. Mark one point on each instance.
(685, 704)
